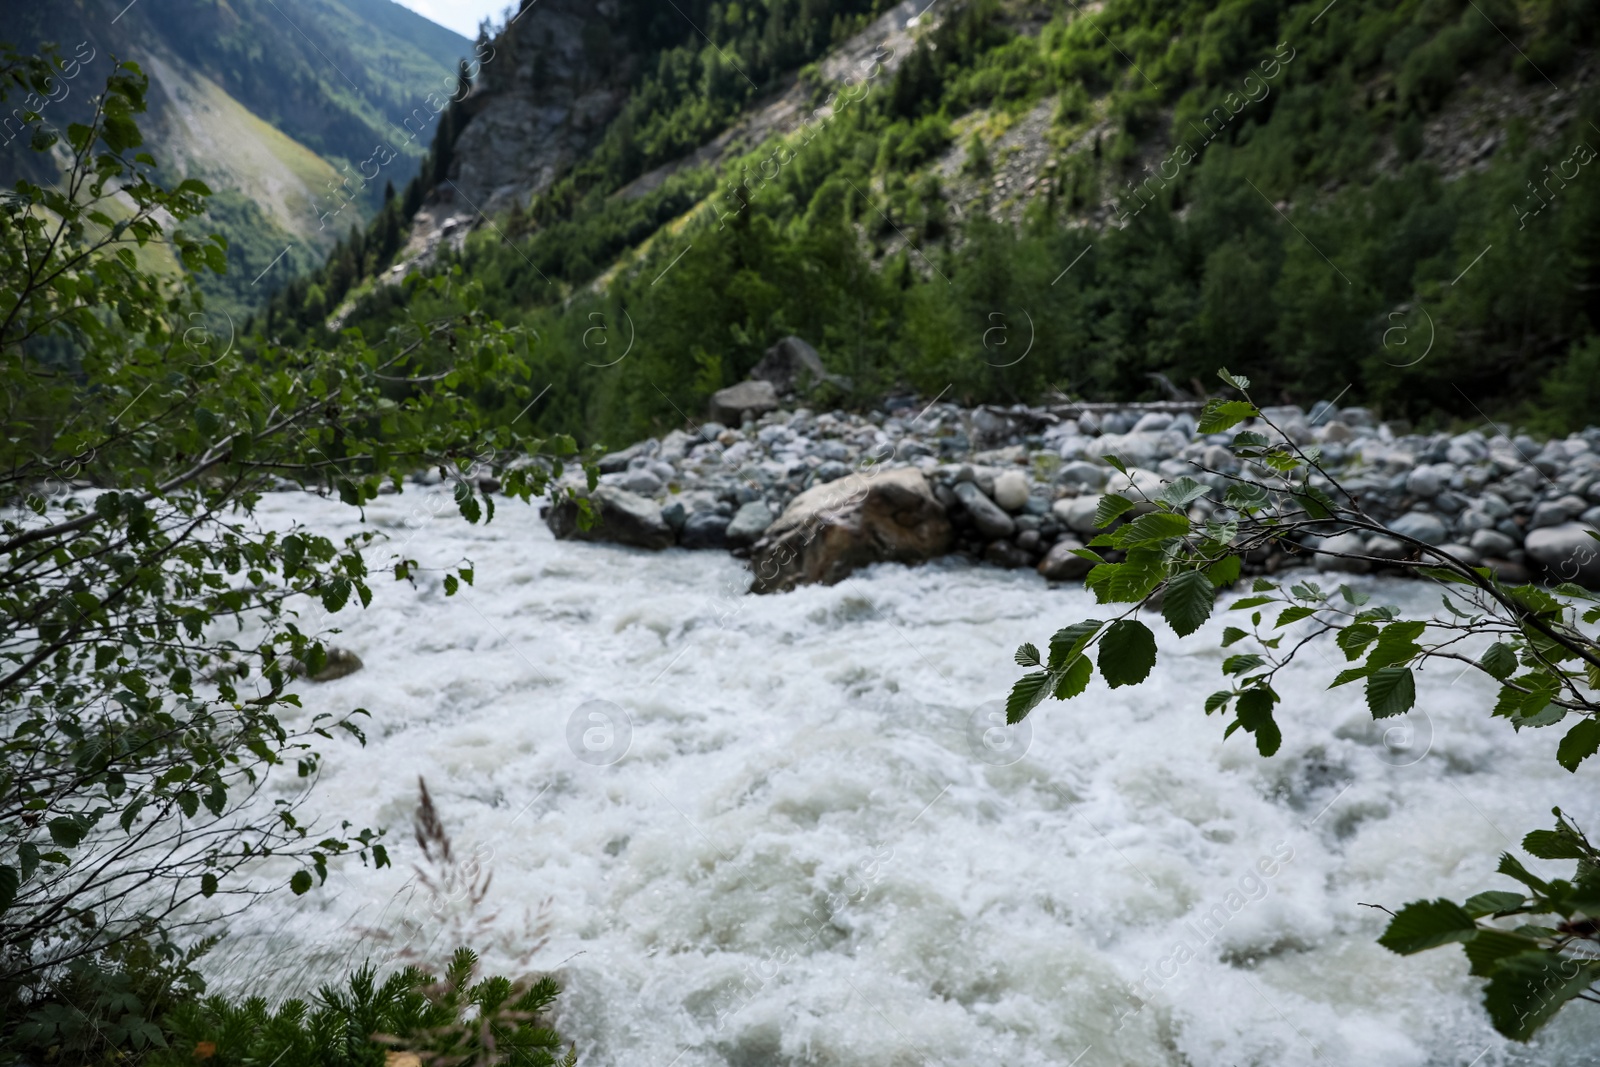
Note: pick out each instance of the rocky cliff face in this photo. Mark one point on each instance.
(558, 74)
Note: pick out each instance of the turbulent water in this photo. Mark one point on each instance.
(787, 830)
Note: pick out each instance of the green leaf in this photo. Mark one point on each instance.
(1232, 635)
(1353, 597)
(1027, 656)
(1116, 464)
(1581, 742)
(1511, 868)
(1238, 381)
(451, 585)
(1188, 600)
(1255, 715)
(1293, 614)
(1075, 679)
(67, 830)
(467, 502)
(1220, 415)
(10, 882)
(1130, 581)
(1391, 691)
(1426, 924)
(1242, 663)
(1397, 644)
(1127, 653)
(1537, 712)
(1526, 990)
(336, 595)
(1493, 902)
(300, 883)
(1152, 528)
(1217, 700)
(1558, 844)
(1224, 571)
(1111, 505)
(1182, 492)
(1068, 641)
(131, 812)
(294, 554)
(1247, 497)
(1487, 948)
(1441, 574)
(208, 884)
(1355, 638)
(1250, 602)
(1026, 694)
(1317, 503)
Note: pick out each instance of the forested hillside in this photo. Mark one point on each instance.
(293, 114)
(1389, 201)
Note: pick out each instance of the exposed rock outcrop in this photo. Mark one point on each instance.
(560, 73)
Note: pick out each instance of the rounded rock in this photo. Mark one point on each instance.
(1425, 482)
(1421, 526)
(1567, 553)
(1487, 542)
(1060, 565)
(749, 523)
(1011, 490)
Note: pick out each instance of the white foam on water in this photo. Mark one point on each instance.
(817, 849)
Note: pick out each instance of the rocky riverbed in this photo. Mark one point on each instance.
(809, 495)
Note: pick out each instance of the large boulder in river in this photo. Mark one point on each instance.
(751, 398)
(1567, 553)
(830, 530)
(624, 517)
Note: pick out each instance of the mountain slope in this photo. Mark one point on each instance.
(281, 107)
(1135, 189)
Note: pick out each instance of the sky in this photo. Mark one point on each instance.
(460, 15)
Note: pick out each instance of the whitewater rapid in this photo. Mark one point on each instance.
(787, 829)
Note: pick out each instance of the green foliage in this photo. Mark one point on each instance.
(140, 724)
(1539, 653)
(105, 1005)
(145, 1002)
(1533, 969)
(450, 1019)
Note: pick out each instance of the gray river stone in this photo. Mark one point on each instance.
(1422, 526)
(991, 521)
(1567, 553)
(749, 523)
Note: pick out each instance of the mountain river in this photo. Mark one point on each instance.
(792, 829)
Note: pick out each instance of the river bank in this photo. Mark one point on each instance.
(1018, 487)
